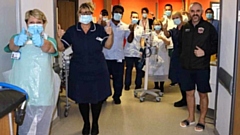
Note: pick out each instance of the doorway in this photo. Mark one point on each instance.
(67, 10)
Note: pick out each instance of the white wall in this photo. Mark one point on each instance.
(227, 56)
(46, 6)
(8, 27)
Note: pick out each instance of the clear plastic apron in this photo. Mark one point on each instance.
(33, 73)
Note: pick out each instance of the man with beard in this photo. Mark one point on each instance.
(198, 40)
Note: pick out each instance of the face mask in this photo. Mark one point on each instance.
(134, 20)
(185, 18)
(177, 21)
(157, 27)
(117, 16)
(168, 13)
(85, 19)
(105, 18)
(209, 15)
(35, 28)
(144, 15)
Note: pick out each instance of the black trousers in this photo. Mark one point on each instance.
(130, 62)
(116, 69)
(85, 111)
(183, 93)
(161, 87)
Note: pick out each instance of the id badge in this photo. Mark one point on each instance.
(99, 39)
(16, 55)
(119, 61)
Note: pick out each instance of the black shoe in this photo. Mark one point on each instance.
(162, 90)
(127, 88)
(86, 129)
(95, 129)
(180, 103)
(173, 84)
(138, 87)
(117, 100)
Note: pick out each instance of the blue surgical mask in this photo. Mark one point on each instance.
(177, 21)
(117, 16)
(144, 15)
(168, 13)
(85, 19)
(157, 27)
(35, 28)
(134, 20)
(209, 15)
(105, 19)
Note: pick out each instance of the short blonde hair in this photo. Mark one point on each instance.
(87, 5)
(177, 13)
(157, 22)
(37, 14)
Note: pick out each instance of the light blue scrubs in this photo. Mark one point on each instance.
(121, 32)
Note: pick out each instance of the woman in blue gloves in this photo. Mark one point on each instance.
(32, 51)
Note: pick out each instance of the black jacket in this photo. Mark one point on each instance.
(150, 23)
(203, 35)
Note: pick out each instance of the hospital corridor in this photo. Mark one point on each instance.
(120, 67)
(133, 117)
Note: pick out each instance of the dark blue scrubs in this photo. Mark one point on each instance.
(175, 68)
(89, 80)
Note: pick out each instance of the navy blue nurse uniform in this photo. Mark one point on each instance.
(175, 67)
(89, 80)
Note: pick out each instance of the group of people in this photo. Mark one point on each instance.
(99, 54)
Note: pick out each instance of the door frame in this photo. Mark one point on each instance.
(235, 118)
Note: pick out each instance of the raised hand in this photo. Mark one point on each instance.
(38, 40)
(160, 37)
(21, 39)
(199, 52)
(131, 27)
(108, 29)
(60, 32)
(165, 26)
(100, 20)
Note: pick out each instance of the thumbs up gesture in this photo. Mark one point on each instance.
(199, 52)
(100, 20)
(37, 40)
(108, 29)
(21, 39)
(60, 31)
(165, 25)
(131, 27)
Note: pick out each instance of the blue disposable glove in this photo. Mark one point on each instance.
(37, 40)
(21, 39)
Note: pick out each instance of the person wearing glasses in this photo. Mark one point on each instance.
(89, 82)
